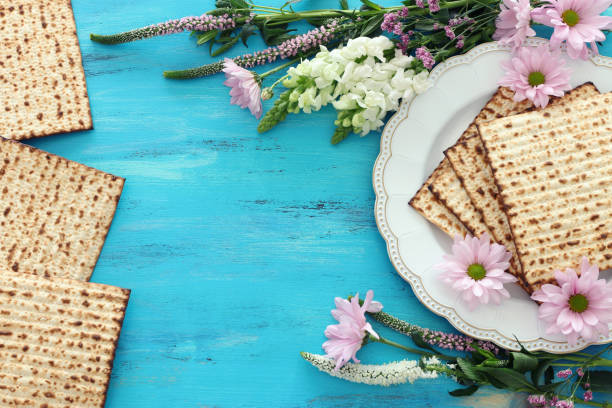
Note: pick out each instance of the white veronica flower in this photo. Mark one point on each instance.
(398, 372)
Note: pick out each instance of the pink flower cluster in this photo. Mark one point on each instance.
(290, 48)
(456, 341)
(391, 22)
(205, 22)
(425, 56)
(434, 5)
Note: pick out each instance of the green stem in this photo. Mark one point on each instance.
(285, 65)
(410, 349)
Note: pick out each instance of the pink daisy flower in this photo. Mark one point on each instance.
(476, 269)
(346, 337)
(536, 73)
(245, 91)
(513, 24)
(577, 22)
(576, 306)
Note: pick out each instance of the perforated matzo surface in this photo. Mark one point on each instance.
(41, 70)
(57, 340)
(54, 213)
(553, 171)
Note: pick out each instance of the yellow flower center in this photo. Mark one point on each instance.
(536, 78)
(578, 303)
(570, 17)
(476, 271)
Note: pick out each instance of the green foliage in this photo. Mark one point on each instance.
(523, 362)
(205, 37)
(340, 134)
(277, 114)
(601, 381)
(371, 5)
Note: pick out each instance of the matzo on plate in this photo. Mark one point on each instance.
(554, 174)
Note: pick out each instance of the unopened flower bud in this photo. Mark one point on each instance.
(267, 93)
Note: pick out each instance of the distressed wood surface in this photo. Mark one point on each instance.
(234, 244)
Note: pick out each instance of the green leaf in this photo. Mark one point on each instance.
(239, 4)
(601, 381)
(549, 375)
(225, 47)
(344, 4)
(511, 379)
(372, 26)
(539, 372)
(206, 37)
(468, 369)
(486, 353)
(246, 32)
(523, 362)
(371, 5)
(462, 392)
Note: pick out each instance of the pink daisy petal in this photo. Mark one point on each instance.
(493, 258)
(584, 30)
(562, 310)
(346, 338)
(245, 90)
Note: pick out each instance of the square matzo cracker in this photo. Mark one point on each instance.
(54, 213)
(42, 82)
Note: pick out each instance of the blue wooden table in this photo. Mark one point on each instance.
(234, 244)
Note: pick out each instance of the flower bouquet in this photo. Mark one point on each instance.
(362, 74)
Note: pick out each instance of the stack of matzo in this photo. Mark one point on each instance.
(41, 74)
(496, 193)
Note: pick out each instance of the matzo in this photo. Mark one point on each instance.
(54, 213)
(57, 340)
(552, 168)
(447, 188)
(435, 212)
(425, 202)
(41, 70)
(469, 163)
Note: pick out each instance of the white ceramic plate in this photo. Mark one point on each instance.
(411, 147)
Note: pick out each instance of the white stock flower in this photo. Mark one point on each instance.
(377, 45)
(307, 101)
(421, 82)
(369, 88)
(398, 372)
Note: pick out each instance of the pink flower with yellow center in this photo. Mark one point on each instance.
(536, 73)
(577, 306)
(476, 270)
(577, 22)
